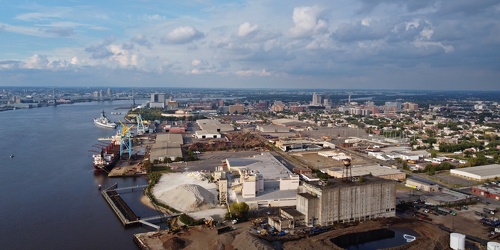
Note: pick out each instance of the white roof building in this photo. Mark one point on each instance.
(479, 173)
(264, 181)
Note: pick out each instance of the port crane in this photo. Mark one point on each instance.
(140, 126)
(125, 139)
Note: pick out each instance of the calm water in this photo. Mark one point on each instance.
(48, 191)
(374, 239)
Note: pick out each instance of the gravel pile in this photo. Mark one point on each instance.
(189, 198)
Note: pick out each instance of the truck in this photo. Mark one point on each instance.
(444, 211)
(489, 222)
(489, 211)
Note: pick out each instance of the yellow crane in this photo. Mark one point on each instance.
(125, 139)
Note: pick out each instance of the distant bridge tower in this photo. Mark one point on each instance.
(140, 126)
(133, 98)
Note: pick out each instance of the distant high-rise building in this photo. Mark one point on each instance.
(316, 99)
(109, 92)
(278, 106)
(157, 101)
(297, 108)
(237, 108)
(397, 105)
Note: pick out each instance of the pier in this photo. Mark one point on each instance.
(124, 213)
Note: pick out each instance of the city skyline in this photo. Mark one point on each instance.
(363, 44)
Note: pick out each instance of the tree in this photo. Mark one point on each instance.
(239, 210)
(405, 165)
(433, 154)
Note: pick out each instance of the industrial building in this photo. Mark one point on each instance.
(289, 145)
(272, 129)
(334, 154)
(167, 146)
(488, 190)
(262, 181)
(420, 185)
(374, 170)
(324, 203)
(211, 128)
(214, 125)
(479, 173)
(288, 218)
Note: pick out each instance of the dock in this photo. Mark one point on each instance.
(124, 213)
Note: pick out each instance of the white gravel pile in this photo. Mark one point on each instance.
(189, 198)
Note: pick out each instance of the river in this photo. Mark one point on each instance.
(48, 191)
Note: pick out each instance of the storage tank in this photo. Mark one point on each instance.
(493, 245)
(457, 241)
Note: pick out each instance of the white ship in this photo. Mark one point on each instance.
(103, 121)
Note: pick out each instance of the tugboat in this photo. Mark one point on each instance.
(103, 121)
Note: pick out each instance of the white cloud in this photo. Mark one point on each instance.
(366, 21)
(247, 73)
(37, 62)
(307, 22)
(426, 44)
(426, 33)
(184, 34)
(75, 60)
(247, 29)
(195, 62)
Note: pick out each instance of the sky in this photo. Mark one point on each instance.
(328, 44)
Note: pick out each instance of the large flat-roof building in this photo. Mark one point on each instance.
(337, 201)
(214, 125)
(263, 181)
(479, 173)
(272, 129)
(167, 145)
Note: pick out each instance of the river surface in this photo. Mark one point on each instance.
(48, 191)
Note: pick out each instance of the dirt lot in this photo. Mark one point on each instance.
(453, 181)
(430, 237)
(321, 162)
(201, 237)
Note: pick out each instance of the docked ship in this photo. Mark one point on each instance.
(107, 158)
(103, 121)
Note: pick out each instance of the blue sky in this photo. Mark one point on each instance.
(351, 44)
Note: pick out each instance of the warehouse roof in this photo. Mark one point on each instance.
(480, 172)
(264, 163)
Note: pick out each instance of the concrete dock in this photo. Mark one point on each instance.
(124, 213)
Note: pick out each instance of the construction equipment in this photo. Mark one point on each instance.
(209, 222)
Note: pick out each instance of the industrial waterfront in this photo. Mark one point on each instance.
(49, 191)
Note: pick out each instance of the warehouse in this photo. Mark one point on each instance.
(421, 185)
(272, 129)
(479, 173)
(167, 146)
